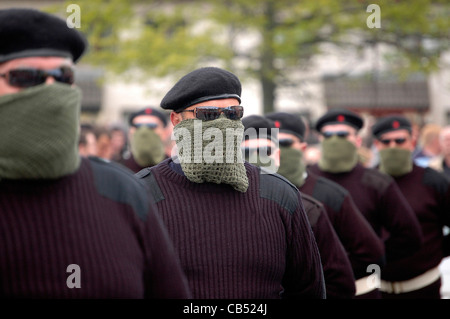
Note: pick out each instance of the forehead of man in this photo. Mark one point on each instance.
(258, 142)
(144, 119)
(338, 127)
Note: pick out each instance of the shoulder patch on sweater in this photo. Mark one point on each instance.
(116, 183)
(278, 189)
(435, 180)
(313, 208)
(329, 193)
(375, 179)
(148, 178)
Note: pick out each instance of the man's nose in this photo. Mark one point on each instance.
(50, 80)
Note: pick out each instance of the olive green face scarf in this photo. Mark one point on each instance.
(209, 151)
(39, 132)
(292, 166)
(147, 147)
(338, 155)
(395, 161)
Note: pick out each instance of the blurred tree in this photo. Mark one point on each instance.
(265, 39)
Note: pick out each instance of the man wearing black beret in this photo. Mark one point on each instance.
(239, 233)
(376, 195)
(260, 144)
(148, 133)
(357, 236)
(73, 227)
(428, 193)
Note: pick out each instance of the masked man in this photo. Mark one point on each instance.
(362, 245)
(375, 194)
(239, 233)
(428, 193)
(71, 227)
(148, 130)
(260, 146)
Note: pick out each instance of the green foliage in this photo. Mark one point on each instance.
(172, 37)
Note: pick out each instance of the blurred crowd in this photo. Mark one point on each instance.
(112, 141)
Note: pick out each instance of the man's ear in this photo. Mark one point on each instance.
(303, 146)
(175, 118)
(358, 141)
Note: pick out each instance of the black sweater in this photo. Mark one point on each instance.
(256, 244)
(100, 219)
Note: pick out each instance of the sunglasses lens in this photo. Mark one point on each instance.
(63, 75)
(149, 125)
(342, 134)
(213, 113)
(338, 134)
(31, 77)
(207, 113)
(286, 142)
(234, 112)
(397, 141)
(26, 77)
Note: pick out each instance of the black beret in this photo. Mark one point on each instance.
(202, 85)
(391, 123)
(340, 116)
(288, 123)
(149, 111)
(259, 122)
(30, 33)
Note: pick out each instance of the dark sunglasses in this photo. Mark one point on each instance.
(286, 142)
(265, 150)
(342, 134)
(24, 78)
(149, 125)
(398, 141)
(209, 113)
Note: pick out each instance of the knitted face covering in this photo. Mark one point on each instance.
(338, 155)
(292, 166)
(209, 151)
(39, 132)
(395, 161)
(146, 147)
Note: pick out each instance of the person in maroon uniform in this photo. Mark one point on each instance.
(70, 227)
(375, 194)
(147, 134)
(260, 145)
(239, 233)
(428, 193)
(363, 246)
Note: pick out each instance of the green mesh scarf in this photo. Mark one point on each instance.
(39, 132)
(396, 161)
(146, 147)
(338, 155)
(209, 151)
